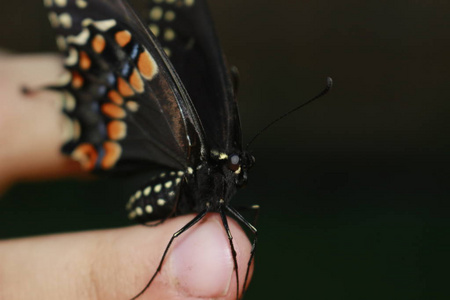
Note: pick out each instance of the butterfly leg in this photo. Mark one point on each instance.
(236, 214)
(233, 251)
(191, 223)
(255, 208)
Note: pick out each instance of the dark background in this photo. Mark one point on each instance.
(353, 188)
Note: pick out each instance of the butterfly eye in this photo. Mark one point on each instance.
(234, 162)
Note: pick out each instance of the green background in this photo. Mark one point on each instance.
(354, 188)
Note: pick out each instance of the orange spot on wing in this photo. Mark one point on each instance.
(136, 81)
(85, 61)
(98, 43)
(147, 65)
(112, 154)
(113, 111)
(124, 88)
(117, 130)
(123, 38)
(77, 80)
(86, 155)
(115, 97)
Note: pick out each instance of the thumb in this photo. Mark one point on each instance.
(117, 264)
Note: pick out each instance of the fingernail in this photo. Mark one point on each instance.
(201, 262)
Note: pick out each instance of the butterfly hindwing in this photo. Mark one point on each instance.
(126, 106)
(185, 30)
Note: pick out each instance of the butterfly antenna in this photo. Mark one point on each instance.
(322, 93)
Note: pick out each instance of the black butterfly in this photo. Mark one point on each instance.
(137, 95)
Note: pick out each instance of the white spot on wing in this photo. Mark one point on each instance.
(105, 25)
(53, 18)
(65, 20)
(169, 16)
(189, 2)
(169, 34)
(177, 181)
(160, 202)
(147, 190)
(81, 3)
(148, 209)
(72, 57)
(138, 194)
(48, 3)
(158, 188)
(139, 211)
(190, 170)
(79, 39)
(61, 42)
(86, 22)
(154, 29)
(156, 13)
(168, 184)
(61, 3)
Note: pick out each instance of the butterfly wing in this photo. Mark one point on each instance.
(125, 105)
(186, 32)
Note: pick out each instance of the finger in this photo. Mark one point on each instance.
(30, 125)
(117, 264)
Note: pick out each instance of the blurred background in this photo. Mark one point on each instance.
(353, 188)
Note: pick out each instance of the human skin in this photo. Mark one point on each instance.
(103, 264)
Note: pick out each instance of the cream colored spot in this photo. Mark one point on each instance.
(162, 175)
(172, 173)
(189, 2)
(156, 13)
(105, 25)
(61, 3)
(256, 206)
(171, 194)
(132, 215)
(168, 184)
(81, 3)
(61, 42)
(132, 106)
(53, 18)
(138, 194)
(168, 52)
(132, 199)
(148, 209)
(69, 102)
(238, 171)
(65, 78)
(158, 188)
(147, 190)
(79, 39)
(177, 181)
(169, 16)
(139, 211)
(180, 173)
(86, 22)
(190, 170)
(65, 20)
(223, 156)
(160, 202)
(169, 34)
(48, 3)
(72, 57)
(154, 29)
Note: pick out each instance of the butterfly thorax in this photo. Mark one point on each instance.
(215, 181)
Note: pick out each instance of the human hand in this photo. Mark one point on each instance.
(106, 264)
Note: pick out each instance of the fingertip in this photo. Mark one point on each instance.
(199, 264)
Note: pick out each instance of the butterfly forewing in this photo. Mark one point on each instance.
(126, 105)
(186, 32)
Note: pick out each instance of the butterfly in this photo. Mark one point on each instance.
(139, 94)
